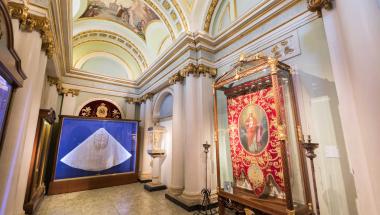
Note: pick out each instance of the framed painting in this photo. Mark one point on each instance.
(93, 149)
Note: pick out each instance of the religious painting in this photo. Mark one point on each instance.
(255, 148)
(134, 14)
(253, 128)
(101, 109)
(91, 147)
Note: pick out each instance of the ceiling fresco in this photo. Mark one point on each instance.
(134, 14)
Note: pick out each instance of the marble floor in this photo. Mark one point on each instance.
(129, 199)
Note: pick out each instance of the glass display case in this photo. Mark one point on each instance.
(260, 160)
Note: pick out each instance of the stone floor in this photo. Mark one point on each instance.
(129, 199)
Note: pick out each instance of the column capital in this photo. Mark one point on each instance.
(177, 77)
(67, 91)
(141, 99)
(195, 70)
(318, 5)
(53, 81)
(30, 22)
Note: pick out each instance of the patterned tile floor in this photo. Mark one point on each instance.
(129, 199)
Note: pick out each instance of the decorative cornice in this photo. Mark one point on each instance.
(141, 99)
(210, 13)
(318, 5)
(30, 22)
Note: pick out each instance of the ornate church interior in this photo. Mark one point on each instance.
(255, 107)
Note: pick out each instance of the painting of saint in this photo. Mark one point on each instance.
(134, 14)
(253, 129)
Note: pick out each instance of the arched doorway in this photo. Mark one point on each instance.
(162, 115)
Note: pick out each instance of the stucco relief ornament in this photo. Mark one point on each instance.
(318, 5)
(86, 111)
(116, 114)
(102, 111)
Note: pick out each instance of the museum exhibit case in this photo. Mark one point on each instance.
(94, 152)
(36, 186)
(261, 163)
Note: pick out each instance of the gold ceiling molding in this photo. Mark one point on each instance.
(30, 22)
(141, 99)
(181, 15)
(135, 51)
(318, 5)
(156, 9)
(210, 12)
(195, 70)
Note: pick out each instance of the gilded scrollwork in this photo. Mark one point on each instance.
(195, 70)
(30, 22)
(318, 5)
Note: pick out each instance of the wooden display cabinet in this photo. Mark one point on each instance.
(36, 187)
(260, 160)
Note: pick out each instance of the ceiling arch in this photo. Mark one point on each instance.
(115, 38)
(84, 49)
(104, 62)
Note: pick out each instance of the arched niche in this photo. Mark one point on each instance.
(113, 109)
(164, 100)
(162, 115)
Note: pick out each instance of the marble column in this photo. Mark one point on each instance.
(141, 146)
(198, 125)
(192, 147)
(28, 47)
(69, 103)
(177, 180)
(352, 30)
(146, 170)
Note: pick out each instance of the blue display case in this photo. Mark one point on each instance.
(91, 149)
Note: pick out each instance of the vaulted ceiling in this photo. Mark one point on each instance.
(122, 38)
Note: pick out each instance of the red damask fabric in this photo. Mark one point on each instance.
(255, 148)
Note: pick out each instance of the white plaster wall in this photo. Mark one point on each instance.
(353, 30)
(319, 105)
(166, 166)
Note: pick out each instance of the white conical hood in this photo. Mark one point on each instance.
(100, 151)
